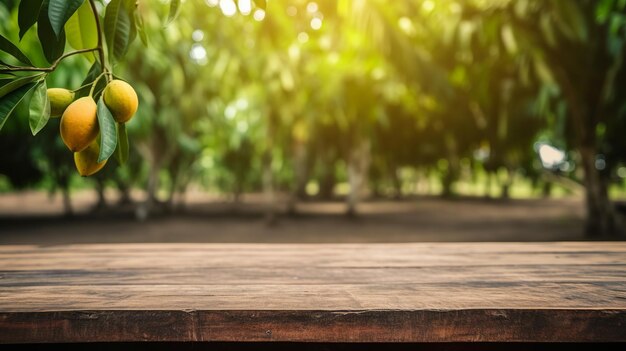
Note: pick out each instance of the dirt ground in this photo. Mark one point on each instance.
(35, 218)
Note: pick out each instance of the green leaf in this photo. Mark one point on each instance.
(52, 45)
(131, 9)
(174, 11)
(117, 28)
(39, 108)
(542, 70)
(603, 10)
(141, 28)
(11, 100)
(27, 15)
(59, 11)
(108, 134)
(7, 46)
(121, 152)
(13, 84)
(571, 21)
(81, 30)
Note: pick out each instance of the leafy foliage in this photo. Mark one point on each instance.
(108, 133)
(319, 93)
(10, 101)
(59, 11)
(174, 11)
(13, 50)
(117, 28)
(28, 14)
(79, 23)
(52, 43)
(39, 108)
(121, 151)
(81, 29)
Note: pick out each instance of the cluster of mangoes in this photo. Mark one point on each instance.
(79, 120)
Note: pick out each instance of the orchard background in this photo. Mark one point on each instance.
(477, 120)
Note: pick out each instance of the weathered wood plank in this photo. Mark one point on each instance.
(315, 326)
(443, 292)
(293, 297)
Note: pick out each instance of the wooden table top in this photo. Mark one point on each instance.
(417, 292)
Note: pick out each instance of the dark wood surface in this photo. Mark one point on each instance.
(428, 292)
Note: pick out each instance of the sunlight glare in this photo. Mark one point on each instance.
(228, 7)
(197, 35)
(312, 7)
(198, 53)
(325, 42)
(242, 104)
(333, 58)
(230, 112)
(600, 163)
(259, 15)
(428, 6)
(455, 8)
(303, 37)
(406, 26)
(316, 23)
(245, 7)
(294, 52)
(242, 126)
(292, 11)
(550, 156)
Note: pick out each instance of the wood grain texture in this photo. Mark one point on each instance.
(428, 292)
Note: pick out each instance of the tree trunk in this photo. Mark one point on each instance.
(546, 190)
(67, 201)
(358, 165)
(268, 175)
(301, 171)
(268, 189)
(505, 191)
(153, 184)
(102, 203)
(237, 194)
(397, 182)
(182, 196)
(452, 170)
(601, 219)
(147, 207)
(124, 191)
(449, 178)
(506, 185)
(328, 181)
(301, 176)
(446, 184)
(427, 185)
(488, 185)
(174, 175)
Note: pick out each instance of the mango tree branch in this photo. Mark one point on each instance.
(95, 82)
(47, 69)
(100, 47)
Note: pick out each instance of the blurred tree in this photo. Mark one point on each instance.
(579, 45)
